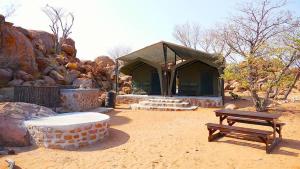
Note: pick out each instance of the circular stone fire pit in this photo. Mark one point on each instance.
(69, 130)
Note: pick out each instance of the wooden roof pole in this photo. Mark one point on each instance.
(165, 71)
(117, 76)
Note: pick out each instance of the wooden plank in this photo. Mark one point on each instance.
(244, 130)
(247, 114)
(252, 121)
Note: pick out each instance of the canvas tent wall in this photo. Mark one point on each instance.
(197, 79)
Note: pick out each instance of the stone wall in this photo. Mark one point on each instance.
(77, 100)
(209, 102)
(68, 137)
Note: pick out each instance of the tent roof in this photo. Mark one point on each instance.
(154, 54)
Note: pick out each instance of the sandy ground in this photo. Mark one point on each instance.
(156, 139)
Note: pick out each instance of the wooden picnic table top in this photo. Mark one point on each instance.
(247, 114)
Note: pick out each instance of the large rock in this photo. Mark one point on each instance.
(83, 83)
(42, 41)
(68, 49)
(12, 117)
(57, 76)
(104, 61)
(49, 81)
(17, 52)
(15, 82)
(24, 76)
(5, 76)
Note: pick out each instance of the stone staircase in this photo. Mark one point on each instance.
(163, 104)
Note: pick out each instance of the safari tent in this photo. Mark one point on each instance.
(168, 69)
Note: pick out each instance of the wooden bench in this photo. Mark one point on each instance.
(245, 133)
(232, 120)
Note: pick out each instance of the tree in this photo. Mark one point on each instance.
(119, 51)
(61, 25)
(9, 10)
(294, 43)
(253, 34)
(187, 34)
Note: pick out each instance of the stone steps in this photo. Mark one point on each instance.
(164, 104)
(167, 104)
(137, 106)
(166, 100)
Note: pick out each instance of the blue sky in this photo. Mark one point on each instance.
(102, 24)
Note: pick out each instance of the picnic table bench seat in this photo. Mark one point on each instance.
(260, 135)
(232, 120)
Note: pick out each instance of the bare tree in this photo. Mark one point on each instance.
(213, 41)
(61, 25)
(251, 33)
(119, 51)
(10, 10)
(187, 34)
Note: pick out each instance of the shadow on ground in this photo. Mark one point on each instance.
(115, 139)
(116, 119)
(20, 150)
(279, 149)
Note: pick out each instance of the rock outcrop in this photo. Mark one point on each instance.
(27, 57)
(12, 116)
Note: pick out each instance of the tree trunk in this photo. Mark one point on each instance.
(286, 94)
(259, 103)
(273, 95)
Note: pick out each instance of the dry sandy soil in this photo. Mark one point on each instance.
(156, 139)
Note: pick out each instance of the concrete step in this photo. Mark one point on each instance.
(165, 100)
(161, 108)
(164, 104)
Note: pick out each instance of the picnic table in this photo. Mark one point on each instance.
(256, 118)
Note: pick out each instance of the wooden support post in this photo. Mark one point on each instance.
(117, 76)
(165, 71)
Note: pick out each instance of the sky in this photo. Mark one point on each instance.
(101, 25)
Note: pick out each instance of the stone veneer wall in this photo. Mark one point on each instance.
(74, 100)
(209, 102)
(68, 137)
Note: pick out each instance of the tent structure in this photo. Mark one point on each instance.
(168, 69)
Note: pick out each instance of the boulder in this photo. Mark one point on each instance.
(83, 83)
(104, 61)
(121, 93)
(15, 82)
(5, 76)
(17, 51)
(226, 86)
(56, 76)
(230, 106)
(46, 64)
(49, 81)
(68, 49)
(125, 78)
(127, 84)
(28, 83)
(106, 85)
(126, 90)
(39, 83)
(41, 40)
(12, 116)
(234, 85)
(23, 75)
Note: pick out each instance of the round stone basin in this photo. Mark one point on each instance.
(69, 130)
